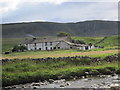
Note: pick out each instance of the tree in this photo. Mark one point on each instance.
(63, 34)
(15, 49)
(90, 44)
(22, 48)
(19, 48)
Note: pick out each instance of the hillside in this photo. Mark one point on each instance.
(111, 41)
(86, 29)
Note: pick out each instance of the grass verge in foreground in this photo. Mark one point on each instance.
(26, 71)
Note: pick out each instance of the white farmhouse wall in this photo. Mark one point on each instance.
(31, 47)
(89, 47)
(39, 46)
(92, 46)
(83, 48)
(53, 45)
(79, 48)
(28, 47)
(42, 46)
(50, 46)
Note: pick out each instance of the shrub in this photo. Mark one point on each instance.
(105, 71)
(94, 72)
(111, 68)
(78, 41)
(62, 34)
(19, 48)
(10, 69)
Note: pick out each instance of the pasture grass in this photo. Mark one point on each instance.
(9, 43)
(59, 53)
(110, 41)
(88, 40)
(26, 71)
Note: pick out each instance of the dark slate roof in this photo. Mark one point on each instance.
(73, 44)
(45, 39)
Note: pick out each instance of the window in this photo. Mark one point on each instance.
(35, 44)
(45, 43)
(90, 46)
(50, 48)
(46, 48)
(54, 47)
(50, 43)
(70, 47)
(58, 47)
(86, 48)
(39, 48)
(35, 48)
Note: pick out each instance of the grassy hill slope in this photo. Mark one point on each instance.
(86, 29)
(9, 43)
(88, 40)
(110, 41)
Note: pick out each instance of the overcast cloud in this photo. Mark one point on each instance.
(59, 11)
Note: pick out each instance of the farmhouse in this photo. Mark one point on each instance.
(52, 43)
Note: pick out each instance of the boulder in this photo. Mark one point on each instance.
(43, 83)
(115, 87)
(86, 80)
(62, 85)
(35, 84)
(51, 80)
(67, 84)
(116, 81)
(35, 87)
(83, 77)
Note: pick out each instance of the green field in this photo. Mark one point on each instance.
(58, 53)
(110, 43)
(30, 71)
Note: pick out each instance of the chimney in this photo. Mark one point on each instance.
(34, 38)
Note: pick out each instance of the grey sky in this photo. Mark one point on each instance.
(59, 12)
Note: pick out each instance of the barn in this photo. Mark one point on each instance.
(53, 43)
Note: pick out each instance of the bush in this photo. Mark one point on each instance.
(63, 34)
(105, 71)
(19, 48)
(10, 69)
(111, 68)
(78, 41)
(94, 72)
(118, 71)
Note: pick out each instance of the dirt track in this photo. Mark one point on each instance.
(63, 54)
(85, 53)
